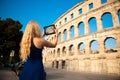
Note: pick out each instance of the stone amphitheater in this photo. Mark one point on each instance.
(74, 51)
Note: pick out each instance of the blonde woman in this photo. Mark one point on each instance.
(31, 48)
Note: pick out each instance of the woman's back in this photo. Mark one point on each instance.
(35, 52)
(34, 65)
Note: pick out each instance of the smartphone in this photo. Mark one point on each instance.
(48, 30)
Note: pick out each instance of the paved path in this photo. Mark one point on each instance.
(7, 74)
(55, 74)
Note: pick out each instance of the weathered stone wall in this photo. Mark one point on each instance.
(101, 61)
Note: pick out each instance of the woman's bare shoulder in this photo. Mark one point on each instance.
(39, 42)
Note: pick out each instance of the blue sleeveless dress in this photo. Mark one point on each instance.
(33, 68)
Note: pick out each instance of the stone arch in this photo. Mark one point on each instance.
(81, 48)
(64, 51)
(58, 52)
(63, 64)
(107, 20)
(119, 15)
(81, 28)
(57, 64)
(71, 49)
(110, 42)
(92, 24)
(110, 45)
(72, 31)
(53, 64)
(94, 46)
(65, 34)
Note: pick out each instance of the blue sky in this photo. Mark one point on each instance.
(45, 12)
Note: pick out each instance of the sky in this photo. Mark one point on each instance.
(45, 12)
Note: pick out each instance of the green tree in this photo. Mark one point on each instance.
(10, 37)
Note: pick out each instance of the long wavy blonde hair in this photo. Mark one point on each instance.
(32, 30)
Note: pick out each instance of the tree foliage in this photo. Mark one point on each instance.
(10, 37)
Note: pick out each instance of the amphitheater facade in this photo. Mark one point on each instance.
(76, 49)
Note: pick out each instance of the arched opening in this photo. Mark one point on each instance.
(81, 29)
(119, 15)
(81, 47)
(60, 37)
(94, 47)
(53, 64)
(54, 53)
(110, 45)
(65, 34)
(103, 1)
(107, 20)
(63, 64)
(93, 25)
(72, 32)
(57, 64)
(64, 51)
(71, 49)
(58, 52)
